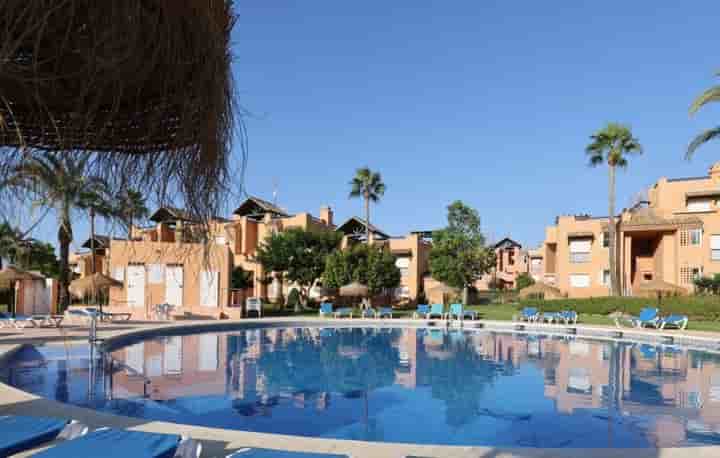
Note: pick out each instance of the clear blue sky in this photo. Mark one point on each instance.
(490, 102)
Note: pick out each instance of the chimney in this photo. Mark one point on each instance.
(326, 214)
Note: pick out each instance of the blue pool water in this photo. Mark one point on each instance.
(396, 385)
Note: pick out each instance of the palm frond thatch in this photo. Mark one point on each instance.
(143, 85)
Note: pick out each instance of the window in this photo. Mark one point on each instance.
(688, 274)
(606, 239)
(684, 237)
(511, 257)
(580, 250)
(695, 236)
(699, 205)
(403, 263)
(715, 247)
(605, 277)
(579, 280)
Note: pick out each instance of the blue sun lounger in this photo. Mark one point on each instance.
(529, 314)
(267, 453)
(120, 443)
(678, 321)
(436, 310)
(326, 308)
(459, 311)
(20, 433)
(422, 311)
(648, 316)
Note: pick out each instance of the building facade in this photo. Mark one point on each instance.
(673, 236)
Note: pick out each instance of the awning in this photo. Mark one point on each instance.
(580, 235)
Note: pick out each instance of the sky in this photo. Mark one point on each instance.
(488, 102)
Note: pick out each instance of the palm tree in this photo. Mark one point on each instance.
(612, 145)
(709, 96)
(130, 208)
(368, 185)
(10, 243)
(61, 182)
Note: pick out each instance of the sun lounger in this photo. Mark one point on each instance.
(422, 311)
(22, 321)
(551, 317)
(648, 316)
(119, 443)
(460, 312)
(529, 314)
(326, 308)
(569, 316)
(43, 320)
(678, 321)
(436, 310)
(343, 312)
(267, 453)
(21, 433)
(384, 312)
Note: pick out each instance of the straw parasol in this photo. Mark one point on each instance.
(10, 275)
(93, 284)
(541, 289)
(354, 289)
(444, 290)
(660, 288)
(145, 86)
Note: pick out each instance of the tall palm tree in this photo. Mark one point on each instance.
(61, 182)
(612, 145)
(368, 185)
(709, 96)
(130, 207)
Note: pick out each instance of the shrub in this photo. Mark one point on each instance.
(293, 298)
(523, 281)
(704, 308)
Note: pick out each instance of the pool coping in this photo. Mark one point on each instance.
(220, 442)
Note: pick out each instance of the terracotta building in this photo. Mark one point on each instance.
(673, 235)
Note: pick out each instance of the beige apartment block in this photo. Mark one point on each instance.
(673, 235)
(189, 264)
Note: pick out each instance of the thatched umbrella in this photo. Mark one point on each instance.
(93, 284)
(444, 290)
(10, 275)
(354, 289)
(540, 289)
(145, 86)
(661, 288)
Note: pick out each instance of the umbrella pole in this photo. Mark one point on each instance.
(14, 301)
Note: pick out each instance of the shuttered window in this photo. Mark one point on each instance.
(580, 250)
(715, 247)
(579, 280)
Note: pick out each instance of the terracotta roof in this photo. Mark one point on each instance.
(346, 226)
(171, 213)
(507, 240)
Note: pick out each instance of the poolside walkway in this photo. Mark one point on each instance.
(219, 442)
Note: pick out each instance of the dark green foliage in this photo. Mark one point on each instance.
(708, 285)
(523, 281)
(369, 265)
(705, 308)
(293, 299)
(241, 278)
(459, 255)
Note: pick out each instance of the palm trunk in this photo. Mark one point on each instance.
(64, 239)
(614, 291)
(367, 218)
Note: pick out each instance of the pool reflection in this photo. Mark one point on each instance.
(400, 385)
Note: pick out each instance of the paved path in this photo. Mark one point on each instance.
(219, 442)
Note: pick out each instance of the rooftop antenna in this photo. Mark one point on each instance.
(275, 191)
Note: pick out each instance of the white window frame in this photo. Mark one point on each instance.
(580, 250)
(699, 205)
(715, 247)
(585, 282)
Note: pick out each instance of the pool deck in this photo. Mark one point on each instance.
(220, 442)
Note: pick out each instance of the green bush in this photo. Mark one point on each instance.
(293, 298)
(702, 308)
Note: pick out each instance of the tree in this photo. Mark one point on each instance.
(523, 281)
(299, 255)
(241, 278)
(612, 145)
(709, 96)
(10, 243)
(61, 182)
(368, 185)
(459, 256)
(130, 206)
(372, 266)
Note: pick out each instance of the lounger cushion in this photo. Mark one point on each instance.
(116, 443)
(19, 433)
(267, 453)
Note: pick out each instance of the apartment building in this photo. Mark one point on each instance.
(672, 236)
(511, 261)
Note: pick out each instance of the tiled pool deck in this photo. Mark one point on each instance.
(219, 442)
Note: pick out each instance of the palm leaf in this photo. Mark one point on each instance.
(709, 96)
(704, 137)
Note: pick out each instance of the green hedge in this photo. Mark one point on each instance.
(704, 308)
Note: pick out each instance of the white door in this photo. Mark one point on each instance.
(174, 285)
(136, 286)
(209, 288)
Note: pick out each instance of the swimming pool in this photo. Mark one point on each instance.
(415, 385)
